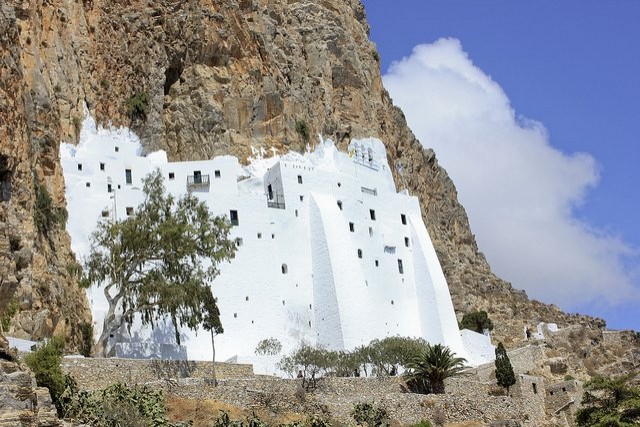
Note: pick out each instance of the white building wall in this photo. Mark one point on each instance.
(328, 293)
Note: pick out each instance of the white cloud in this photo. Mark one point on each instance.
(518, 190)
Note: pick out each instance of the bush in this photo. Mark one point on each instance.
(86, 345)
(371, 415)
(302, 129)
(9, 311)
(476, 321)
(45, 215)
(138, 105)
(45, 364)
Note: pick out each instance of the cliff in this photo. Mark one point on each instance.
(200, 78)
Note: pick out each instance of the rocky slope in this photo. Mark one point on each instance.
(200, 78)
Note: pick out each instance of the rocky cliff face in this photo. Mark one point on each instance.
(200, 78)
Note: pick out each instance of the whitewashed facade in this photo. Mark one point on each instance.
(328, 252)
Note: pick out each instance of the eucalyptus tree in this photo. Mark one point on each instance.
(159, 262)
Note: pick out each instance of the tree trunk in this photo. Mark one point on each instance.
(213, 365)
(110, 325)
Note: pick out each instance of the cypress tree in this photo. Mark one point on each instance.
(504, 372)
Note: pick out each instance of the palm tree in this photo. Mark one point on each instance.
(427, 371)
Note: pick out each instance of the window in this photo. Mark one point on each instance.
(309, 306)
(127, 176)
(400, 267)
(403, 218)
(372, 214)
(117, 149)
(391, 302)
(406, 241)
(296, 212)
(118, 186)
(233, 216)
(359, 253)
(370, 231)
(270, 191)
(79, 166)
(235, 315)
(352, 227)
(282, 302)
(129, 210)
(285, 269)
(105, 213)
(216, 174)
(101, 166)
(109, 189)
(238, 242)
(259, 235)
(301, 198)
(340, 204)
(299, 179)
(246, 298)
(377, 263)
(87, 184)
(172, 175)
(273, 236)
(197, 177)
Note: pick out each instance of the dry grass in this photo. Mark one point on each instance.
(466, 424)
(204, 412)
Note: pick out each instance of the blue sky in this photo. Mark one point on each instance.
(553, 90)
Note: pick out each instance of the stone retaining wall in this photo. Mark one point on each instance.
(97, 373)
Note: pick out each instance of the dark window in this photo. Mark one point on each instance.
(127, 176)
(340, 204)
(400, 267)
(259, 235)
(101, 166)
(406, 241)
(285, 269)
(235, 315)
(273, 236)
(105, 214)
(197, 177)
(233, 216)
(372, 214)
(129, 211)
(109, 189)
(301, 198)
(377, 263)
(117, 149)
(370, 231)
(391, 302)
(172, 175)
(351, 227)
(299, 179)
(296, 212)
(238, 242)
(246, 298)
(270, 191)
(359, 253)
(87, 184)
(403, 218)
(216, 174)
(118, 186)
(79, 166)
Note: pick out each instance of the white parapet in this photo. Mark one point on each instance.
(329, 252)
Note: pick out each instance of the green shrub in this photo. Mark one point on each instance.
(45, 215)
(138, 105)
(9, 311)
(86, 345)
(45, 364)
(569, 377)
(371, 415)
(476, 321)
(302, 129)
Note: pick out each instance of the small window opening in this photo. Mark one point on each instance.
(87, 184)
(296, 212)
(238, 242)
(235, 315)
(216, 174)
(273, 236)
(309, 306)
(370, 231)
(406, 241)
(403, 218)
(101, 166)
(309, 323)
(535, 388)
(172, 175)
(79, 166)
(359, 253)
(270, 191)
(551, 393)
(339, 184)
(117, 149)
(352, 227)
(105, 213)
(282, 302)
(340, 204)
(299, 179)
(233, 216)
(301, 198)
(109, 189)
(372, 214)
(391, 302)
(118, 186)
(127, 176)
(246, 298)
(377, 263)
(285, 269)
(129, 210)
(400, 267)
(259, 235)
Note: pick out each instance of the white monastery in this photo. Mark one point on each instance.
(328, 252)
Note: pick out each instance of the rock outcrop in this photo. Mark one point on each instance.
(201, 78)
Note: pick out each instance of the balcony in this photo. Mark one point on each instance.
(197, 182)
(276, 202)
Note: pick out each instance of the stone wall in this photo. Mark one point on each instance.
(523, 360)
(98, 373)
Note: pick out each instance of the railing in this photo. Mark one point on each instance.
(276, 202)
(197, 181)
